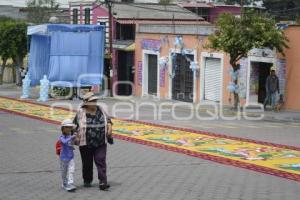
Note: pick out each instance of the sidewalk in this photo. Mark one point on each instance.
(11, 90)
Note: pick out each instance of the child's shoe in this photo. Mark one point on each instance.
(69, 188)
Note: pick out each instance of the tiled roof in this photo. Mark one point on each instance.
(152, 11)
(196, 5)
(130, 21)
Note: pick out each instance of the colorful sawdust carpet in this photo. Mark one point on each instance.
(269, 158)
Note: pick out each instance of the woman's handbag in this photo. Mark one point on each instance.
(110, 140)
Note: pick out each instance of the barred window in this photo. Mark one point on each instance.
(75, 16)
(87, 15)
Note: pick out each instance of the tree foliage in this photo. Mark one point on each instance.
(165, 2)
(237, 36)
(39, 11)
(13, 42)
(283, 9)
(244, 2)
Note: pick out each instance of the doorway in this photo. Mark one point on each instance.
(182, 86)
(152, 74)
(259, 73)
(212, 79)
(125, 72)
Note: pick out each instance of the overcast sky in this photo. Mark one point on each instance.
(22, 3)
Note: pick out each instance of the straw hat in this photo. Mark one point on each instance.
(90, 96)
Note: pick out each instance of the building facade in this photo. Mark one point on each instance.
(172, 63)
(126, 18)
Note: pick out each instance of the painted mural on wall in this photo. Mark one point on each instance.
(140, 73)
(281, 73)
(266, 53)
(150, 44)
(162, 72)
(163, 68)
(243, 78)
(254, 79)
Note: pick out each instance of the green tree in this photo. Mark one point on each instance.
(237, 36)
(283, 9)
(244, 2)
(165, 2)
(13, 44)
(39, 11)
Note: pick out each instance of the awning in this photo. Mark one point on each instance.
(46, 28)
(130, 47)
(124, 45)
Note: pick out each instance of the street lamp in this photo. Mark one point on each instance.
(109, 4)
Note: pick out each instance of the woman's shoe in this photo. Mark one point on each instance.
(104, 187)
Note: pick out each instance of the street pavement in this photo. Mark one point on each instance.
(29, 168)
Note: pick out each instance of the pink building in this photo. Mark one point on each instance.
(210, 12)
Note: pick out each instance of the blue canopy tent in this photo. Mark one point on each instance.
(66, 52)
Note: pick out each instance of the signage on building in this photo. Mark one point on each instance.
(266, 52)
(149, 44)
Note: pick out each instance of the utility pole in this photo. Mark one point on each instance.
(110, 77)
(242, 8)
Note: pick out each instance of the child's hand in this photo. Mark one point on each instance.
(77, 139)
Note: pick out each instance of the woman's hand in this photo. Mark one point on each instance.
(76, 139)
(109, 130)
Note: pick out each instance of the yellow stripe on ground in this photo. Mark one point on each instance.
(271, 126)
(272, 157)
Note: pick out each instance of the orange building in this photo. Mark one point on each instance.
(172, 63)
(292, 56)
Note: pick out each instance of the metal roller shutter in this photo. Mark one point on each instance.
(212, 79)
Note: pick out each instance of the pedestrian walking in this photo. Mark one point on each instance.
(272, 88)
(94, 127)
(66, 154)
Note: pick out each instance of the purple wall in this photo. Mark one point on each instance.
(216, 11)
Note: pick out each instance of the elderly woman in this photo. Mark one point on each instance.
(95, 130)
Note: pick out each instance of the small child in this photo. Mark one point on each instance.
(279, 103)
(67, 164)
